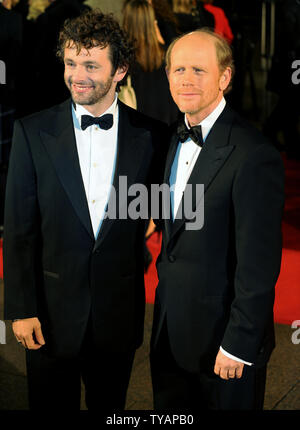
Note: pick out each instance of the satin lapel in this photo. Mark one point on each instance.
(130, 155)
(167, 200)
(62, 151)
(212, 157)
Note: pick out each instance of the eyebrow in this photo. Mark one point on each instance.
(181, 66)
(86, 63)
(91, 62)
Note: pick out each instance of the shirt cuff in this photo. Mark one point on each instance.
(234, 358)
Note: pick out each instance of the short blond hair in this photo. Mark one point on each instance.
(223, 52)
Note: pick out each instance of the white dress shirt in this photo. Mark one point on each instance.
(184, 161)
(186, 157)
(97, 150)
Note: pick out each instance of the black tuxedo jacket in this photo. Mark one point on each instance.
(53, 267)
(216, 284)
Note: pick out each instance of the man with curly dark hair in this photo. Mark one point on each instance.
(89, 32)
(74, 278)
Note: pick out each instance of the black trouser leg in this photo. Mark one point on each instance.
(175, 388)
(106, 378)
(105, 375)
(53, 384)
(169, 381)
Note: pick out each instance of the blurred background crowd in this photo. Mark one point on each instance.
(264, 35)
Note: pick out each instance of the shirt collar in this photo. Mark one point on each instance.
(79, 110)
(208, 122)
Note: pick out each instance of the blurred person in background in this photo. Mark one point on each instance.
(47, 66)
(22, 8)
(148, 75)
(283, 79)
(29, 94)
(107, 6)
(191, 15)
(9, 4)
(222, 25)
(36, 8)
(165, 20)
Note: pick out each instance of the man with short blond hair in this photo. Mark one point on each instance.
(213, 328)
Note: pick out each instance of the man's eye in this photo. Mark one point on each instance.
(70, 64)
(90, 67)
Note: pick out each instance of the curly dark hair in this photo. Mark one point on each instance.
(95, 29)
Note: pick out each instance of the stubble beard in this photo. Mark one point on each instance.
(98, 93)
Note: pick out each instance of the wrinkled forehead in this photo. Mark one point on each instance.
(197, 48)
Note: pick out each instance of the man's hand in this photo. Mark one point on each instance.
(28, 332)
(227, 368)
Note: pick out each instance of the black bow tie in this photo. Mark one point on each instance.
(105, 121)
(195, 133)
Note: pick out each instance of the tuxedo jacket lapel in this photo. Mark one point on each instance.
(167, 210)
(130, 156)
(212, 157)
(60, 144)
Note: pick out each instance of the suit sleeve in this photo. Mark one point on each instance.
(21, 226)
(258, 200)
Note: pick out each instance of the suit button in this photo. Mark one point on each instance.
(172, 258)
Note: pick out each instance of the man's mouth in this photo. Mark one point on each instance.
(81, 88)
(188, 94)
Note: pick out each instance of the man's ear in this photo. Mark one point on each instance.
(225, 79)
(120, 73)
(167, 72)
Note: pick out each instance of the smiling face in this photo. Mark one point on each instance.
(196, 82)
(89, 77)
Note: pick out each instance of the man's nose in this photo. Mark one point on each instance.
(187, 79)
(78, 74)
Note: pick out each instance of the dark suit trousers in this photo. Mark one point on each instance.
(55, 384)
(177, 389)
